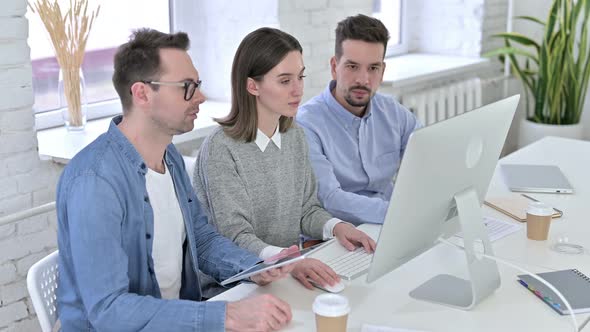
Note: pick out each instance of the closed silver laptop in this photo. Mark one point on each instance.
(536, 178)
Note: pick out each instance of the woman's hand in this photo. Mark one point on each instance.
(311, 268)
(350, 237)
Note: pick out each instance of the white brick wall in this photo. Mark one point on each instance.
(11, 313)
(216, 29)
(25, 181)
(495, 20)
(7, 273)
(450, 27)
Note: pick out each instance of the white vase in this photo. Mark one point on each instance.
(530, 132)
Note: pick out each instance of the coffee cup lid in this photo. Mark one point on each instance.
(539, 209)
(331, 305)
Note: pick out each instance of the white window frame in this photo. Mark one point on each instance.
(402, 47)
(96, 110)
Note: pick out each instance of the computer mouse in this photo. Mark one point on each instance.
(336, 288)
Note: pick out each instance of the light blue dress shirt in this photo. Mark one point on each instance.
(355, 158)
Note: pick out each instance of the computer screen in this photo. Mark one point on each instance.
(441, 184)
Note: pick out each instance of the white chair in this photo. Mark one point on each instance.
(42, 286)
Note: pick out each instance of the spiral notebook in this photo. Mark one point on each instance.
(573, 285)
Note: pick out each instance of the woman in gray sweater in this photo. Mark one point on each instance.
(254, 174)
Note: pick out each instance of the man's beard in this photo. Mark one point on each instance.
(354, 103)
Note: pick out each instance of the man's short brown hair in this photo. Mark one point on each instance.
(139, 60)
(361, 27)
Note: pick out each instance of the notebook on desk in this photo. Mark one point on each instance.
(573, 285)
(515, 205)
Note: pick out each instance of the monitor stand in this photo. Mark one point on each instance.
(483, 272)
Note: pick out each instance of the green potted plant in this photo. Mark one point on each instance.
(554, 72)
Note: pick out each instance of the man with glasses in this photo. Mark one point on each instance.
(131, 233)
(189, 86)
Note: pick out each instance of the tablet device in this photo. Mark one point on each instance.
(536, 178)
(264, 266)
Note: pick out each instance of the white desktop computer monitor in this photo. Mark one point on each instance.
(440, 186)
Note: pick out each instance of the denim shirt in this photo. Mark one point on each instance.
(356, 158)
(105, 237)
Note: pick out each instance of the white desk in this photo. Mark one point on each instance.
(510, 308)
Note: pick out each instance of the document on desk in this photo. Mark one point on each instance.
(497, 229)
(379, 328)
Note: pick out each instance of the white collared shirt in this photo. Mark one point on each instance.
(262, 142)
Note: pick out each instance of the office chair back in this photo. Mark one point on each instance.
(42, 286)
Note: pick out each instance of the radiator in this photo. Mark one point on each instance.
(440, 103)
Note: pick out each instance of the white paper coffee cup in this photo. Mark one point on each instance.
(331, 312)
(539, 209)
(538, 220)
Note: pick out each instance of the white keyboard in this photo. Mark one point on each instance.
(352, 264)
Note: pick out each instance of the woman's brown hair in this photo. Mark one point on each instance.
(259, 52)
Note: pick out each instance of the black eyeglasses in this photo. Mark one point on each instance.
(189, 86)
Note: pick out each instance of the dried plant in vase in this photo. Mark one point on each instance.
(69, 34)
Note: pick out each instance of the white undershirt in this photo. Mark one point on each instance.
(169, 233)
(328, 231)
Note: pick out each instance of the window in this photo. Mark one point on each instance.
(391, 13)
(112, 27)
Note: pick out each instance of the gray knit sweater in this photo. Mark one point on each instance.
(259, 198)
